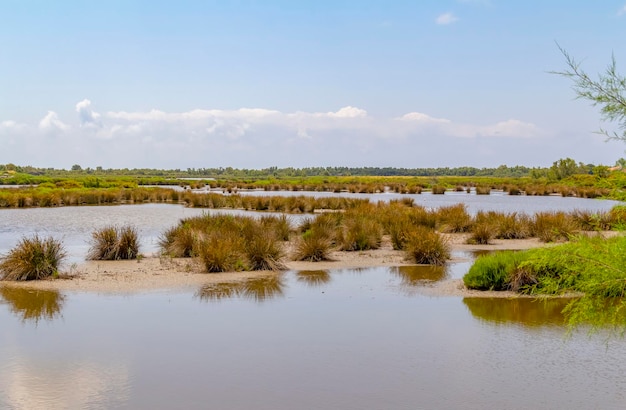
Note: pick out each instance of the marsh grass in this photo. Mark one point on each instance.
(554, 226)
(483, 189)
(221, 252)
(178, 241)
(359, 233)
(426, 246)
(453, 219)
(229, 243)
(482, 232)
(32, 259)
(315, 245)
(114, 243)
(438, 189)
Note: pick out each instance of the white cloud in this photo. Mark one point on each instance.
(622, 11)
(86, 115)
(348, 112)
(446, 18)
(257, 138)
(423, 118)
(52, 122)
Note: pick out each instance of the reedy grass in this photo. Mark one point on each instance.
(114, 243)
(426, 246)
(315, 244)
(453, 219)
(221, 251)
(553, 226)
(32, 258)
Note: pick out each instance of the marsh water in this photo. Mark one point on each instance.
(345, 339)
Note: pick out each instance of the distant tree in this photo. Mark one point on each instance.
(607, 92)
(76, 167)
(563, 168)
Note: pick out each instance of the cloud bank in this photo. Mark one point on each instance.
(257, 138)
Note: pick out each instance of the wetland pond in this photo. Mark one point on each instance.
(370, 338)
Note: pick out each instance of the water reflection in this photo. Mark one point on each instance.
(32, 304)
(527, 312)
(313, 278)
(419, 275)
(258, 289)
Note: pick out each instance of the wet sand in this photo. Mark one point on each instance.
(155, 272)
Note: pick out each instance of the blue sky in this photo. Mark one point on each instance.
(251, 84)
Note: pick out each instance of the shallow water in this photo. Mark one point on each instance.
(74, 224)
(496, 201)
(348, 339)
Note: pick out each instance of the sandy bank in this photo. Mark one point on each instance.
(154, 272)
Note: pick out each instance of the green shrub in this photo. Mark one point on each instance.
(32, 258)
(491, 272)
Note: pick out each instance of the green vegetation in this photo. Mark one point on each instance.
(608, 92)
(593, 268)
(114, 243)
(31, 259)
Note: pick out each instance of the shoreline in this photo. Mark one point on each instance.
(154, 273)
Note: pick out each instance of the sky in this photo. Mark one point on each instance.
(253, 84)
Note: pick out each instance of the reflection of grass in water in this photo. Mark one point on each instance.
(31, 304)
(313, 277)
(418, 275)
(527, 312)
(258, 289)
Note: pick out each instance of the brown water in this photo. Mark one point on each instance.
(347, 339)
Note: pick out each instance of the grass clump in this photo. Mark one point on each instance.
(317, 240)
(229, 243)
(554, 226)
(453, 219)
(426, 246)
(114, 243)
(221, 252)
(492, 272)
(32, 259)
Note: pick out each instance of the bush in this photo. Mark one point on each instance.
(491, 272)
(425, 246)
(33, 258)
(114, 243)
